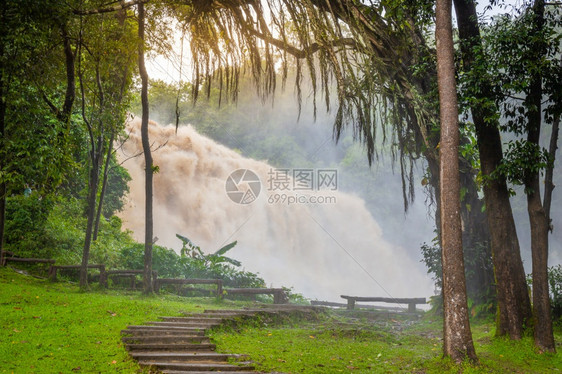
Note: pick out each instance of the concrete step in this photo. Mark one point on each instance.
(190, 367)
(204, 372)
(166, 339)
(222, 315)
(202, 325)
(171, 347)
(176, 357)
(200, 318)
(164, 331)
(165, 328)
(220, 311)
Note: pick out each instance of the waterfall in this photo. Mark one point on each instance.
(322, 249)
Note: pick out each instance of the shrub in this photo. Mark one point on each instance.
(25, 229)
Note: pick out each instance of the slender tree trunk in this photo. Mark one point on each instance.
(476, 240)
(3, 187)
(70, 93)
(514, 307)
(95, 156)
(538, 217)
(457, 338)
(549, 174)
(103, 185)
(148, 236)
(544, 338)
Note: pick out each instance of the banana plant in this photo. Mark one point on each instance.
(189, 249)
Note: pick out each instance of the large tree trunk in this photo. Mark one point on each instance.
(538, 217)
(148, 235)
(457, 338)
(514, 306)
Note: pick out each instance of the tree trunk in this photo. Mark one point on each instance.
(70, 93)
(479, 271)
(148, 236)
(3, 105)
(514, 307)
(544, 338)
(457, 338)
(3, 187)
(103, 185)
(95, 157)
(538, 218)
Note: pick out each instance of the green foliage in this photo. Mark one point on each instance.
(169, 264)
(432, 259)
(162, 98)
(511, 49)
(26, 228)
(518, 52)
(555, 283)
(165, 261)
(481, 301)
(117, 188)
(521, 159)
(193, 251)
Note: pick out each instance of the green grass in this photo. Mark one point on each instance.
(52, 327)
(382, 345)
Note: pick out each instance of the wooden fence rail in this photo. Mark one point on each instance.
(131, 274)
(279, 295)
(158, 283)
(55, 268)
(410, 301)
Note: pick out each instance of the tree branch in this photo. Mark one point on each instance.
(302, 53)
(122, 5)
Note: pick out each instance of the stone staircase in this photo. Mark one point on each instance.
(178, 345)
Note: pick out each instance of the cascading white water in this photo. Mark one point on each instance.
(322, 250)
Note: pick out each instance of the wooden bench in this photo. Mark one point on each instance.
(410, 301)
(54, 268)
(158, 283)
(131, 274)
(279, 295)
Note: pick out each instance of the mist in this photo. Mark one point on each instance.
(322, 250)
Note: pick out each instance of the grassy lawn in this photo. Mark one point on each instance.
(52, 327)
(383, 345)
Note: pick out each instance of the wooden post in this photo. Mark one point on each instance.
(103, 276)
(155, 282)
(411, 307)
(219, 288)
(350, 303)
(53, 273)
